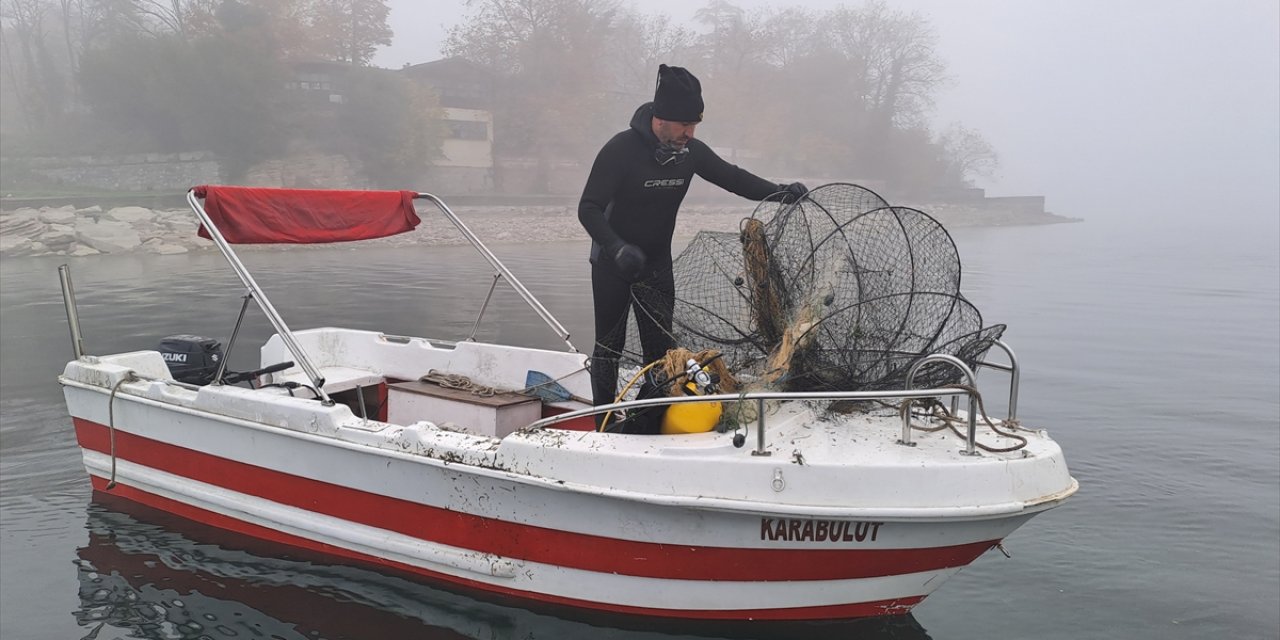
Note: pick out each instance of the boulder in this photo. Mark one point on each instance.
(23, 223)
(61, 215)
(14, 245)
(132, 215)
(94, 209)
(82, 250)
(107, 236)
(167, 249)
(58, 236)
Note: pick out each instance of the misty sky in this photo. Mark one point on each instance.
(1151, 107)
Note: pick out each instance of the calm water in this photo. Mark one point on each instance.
(1151, 351)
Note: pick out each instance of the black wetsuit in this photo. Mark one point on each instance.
(631, 197)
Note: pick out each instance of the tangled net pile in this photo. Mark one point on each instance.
(837, 292)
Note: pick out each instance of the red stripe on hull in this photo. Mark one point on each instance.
(527, 542)
(896, 606)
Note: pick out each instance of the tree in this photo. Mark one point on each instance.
(390, 124)
(789, 38)
(179, 17)
(546, 56)
(29, 71)
(220, 93)
(731, 40)
(966, 155)
(640, 43)
(891, 58)
(351, 31)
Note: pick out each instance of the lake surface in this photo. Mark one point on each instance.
(1150, 350)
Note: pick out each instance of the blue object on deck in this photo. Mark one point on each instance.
(545, 388)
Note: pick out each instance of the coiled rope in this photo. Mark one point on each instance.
(937, 410)
(458, 381)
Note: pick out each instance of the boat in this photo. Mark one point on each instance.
(141, 572)
(479, 465)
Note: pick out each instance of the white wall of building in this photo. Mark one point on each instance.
(468, 139)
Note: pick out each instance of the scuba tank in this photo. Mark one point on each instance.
(694, 417)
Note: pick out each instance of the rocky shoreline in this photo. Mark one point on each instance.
(68, 231)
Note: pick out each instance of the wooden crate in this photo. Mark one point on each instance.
(496, 415)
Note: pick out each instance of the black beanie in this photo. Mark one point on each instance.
(679, 95)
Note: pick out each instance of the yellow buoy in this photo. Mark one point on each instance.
(691, 417)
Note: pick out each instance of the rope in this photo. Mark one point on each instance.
(458, 381)
(763, 282)
(129, 376)
(949, 421)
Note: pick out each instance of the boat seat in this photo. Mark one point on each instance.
(335, 378)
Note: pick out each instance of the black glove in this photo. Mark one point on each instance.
(792, 192)
(629, 259)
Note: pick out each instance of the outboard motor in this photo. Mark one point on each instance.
(191, 359)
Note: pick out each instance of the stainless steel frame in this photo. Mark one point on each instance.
(908, 394)
(1014, 376)
(282, 329)
(300, 356)
(231, 344)
(971, 447)
(759, 397)
(73, 316)
(501, 270)
(264, 303)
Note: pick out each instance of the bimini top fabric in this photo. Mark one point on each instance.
(253, 215)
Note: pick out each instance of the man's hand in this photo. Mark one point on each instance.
(630, 260)
(793, 192)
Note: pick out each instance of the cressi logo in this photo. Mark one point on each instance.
(670, 182)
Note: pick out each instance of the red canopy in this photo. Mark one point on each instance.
(253, 215)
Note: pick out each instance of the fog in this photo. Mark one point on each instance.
(1147, 108)
(1144, 332)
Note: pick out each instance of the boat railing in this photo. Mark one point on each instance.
(759, 398)
(73, 314)
(970, 389)
(500, 272)
(1012, 370)
(286, 335)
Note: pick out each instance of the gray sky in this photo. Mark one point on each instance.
(1104, 107)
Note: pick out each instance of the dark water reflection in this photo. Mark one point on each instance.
(1151, 351)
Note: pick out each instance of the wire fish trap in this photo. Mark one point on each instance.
(837, 291)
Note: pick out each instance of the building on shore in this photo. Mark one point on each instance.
(466, 94)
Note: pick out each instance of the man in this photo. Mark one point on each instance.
(629, 208)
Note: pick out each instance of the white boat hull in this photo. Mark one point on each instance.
(596, 521)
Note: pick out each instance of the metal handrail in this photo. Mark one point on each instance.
(73, 315)
(286, 335)
(231, 343)
(759, 396)
(502, 269)
(971, 442)
(1014, 376)
(268, 309)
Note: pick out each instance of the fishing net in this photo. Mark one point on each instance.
(836, 292)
